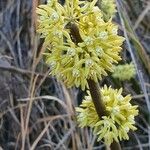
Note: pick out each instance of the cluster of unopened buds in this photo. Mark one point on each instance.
(124, 72)
(74, 61)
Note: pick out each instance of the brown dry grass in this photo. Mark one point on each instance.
(37, 111)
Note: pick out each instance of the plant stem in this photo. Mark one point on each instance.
(97, 99)
(93, 86)
(115, 146)
(100, 107)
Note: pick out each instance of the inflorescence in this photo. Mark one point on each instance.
(87, 53)
(124, 72)
(118, 122)
(75, 62)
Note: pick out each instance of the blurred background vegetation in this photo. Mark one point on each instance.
(37, 111)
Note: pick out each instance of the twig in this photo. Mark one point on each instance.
(39, 137)
(141, 16)
(27, 73)
(18, 34)
(2, 35)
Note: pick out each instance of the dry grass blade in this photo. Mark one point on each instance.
(46, 97)
(131, 36)
(66, 136)
(10, 46)
(36, 111)
(141, 16)
(128, 29)
(39, 137)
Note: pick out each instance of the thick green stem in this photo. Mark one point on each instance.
(115, 146)
(93, 86)
(97, 99)
(100, 107)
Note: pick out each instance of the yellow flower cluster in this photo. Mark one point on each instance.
(108, 8)
(118, 122)
(71, 61)
(124, 72)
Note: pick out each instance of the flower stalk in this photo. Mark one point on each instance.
(96, 97)
(115, 146)
(100, 107)
(94, 89)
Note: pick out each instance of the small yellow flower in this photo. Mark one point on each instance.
(124, 72)
(118, 122)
